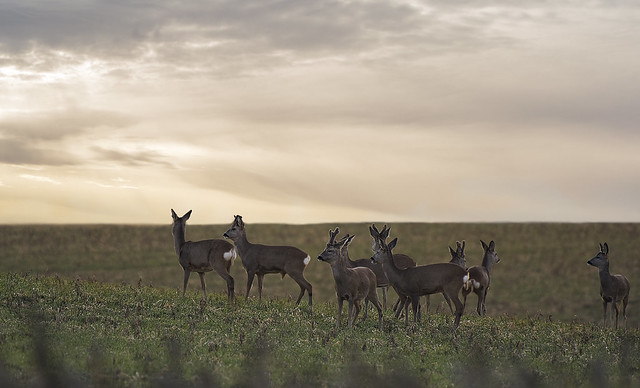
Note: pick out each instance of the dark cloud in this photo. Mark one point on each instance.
(14, 151)
(132, 158)
(36, 138)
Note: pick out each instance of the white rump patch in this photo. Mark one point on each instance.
(306, 260)
(465, 278)
(476, 284)
(231, 255)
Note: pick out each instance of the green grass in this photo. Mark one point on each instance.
(542, 270)
(72, 332)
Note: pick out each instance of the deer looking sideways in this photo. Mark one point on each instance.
(352, 284)
(480, 277)
(613, 288)
(421, 280)
(202, 256)
(260, 260)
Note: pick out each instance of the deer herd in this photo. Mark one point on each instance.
(358, 281)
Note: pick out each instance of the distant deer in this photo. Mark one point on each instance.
(421, 280)
(202, 256)
(402, 261)
(480, 277)
(260, 260)
(352, 284)
(613, 288)
(458, 258)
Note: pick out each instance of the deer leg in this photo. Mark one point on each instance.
(459, 310)
(187, 273)
(428, 303)
(260, 279)
(340, 300)
(480, 301)
(604, 305)
(224, 274)
(484, 301)
(384, 297)
(356, 307)
(304, 285)
(250, 276)
(624, 310)
(366, 309)
(204, 286)
(615, 306)
(448, 300)
(415, 301)
(350, 314)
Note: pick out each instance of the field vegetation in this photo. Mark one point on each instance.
(100, 305)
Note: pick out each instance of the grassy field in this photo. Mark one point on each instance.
(56, 331)
(542, 271)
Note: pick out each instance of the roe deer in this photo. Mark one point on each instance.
(352, 284)
(260, 259)
(421, 280)
(202, 256)
(402, 261)
(480, 277)
(458, 258)
(613, 288)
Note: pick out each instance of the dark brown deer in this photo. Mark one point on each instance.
(352, 284)
(458, 258)
(613, 288)
(421, 280)
(260, 260)
(202, 256)
(401, 260)
(480, 277)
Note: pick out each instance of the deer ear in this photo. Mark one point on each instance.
(463, 244)
(187, 215)
(451, 251)
(484, 246)
(174, 215)
(349, 239)
(492, 246)
(393, 243)
(385, 232)
(606, 249)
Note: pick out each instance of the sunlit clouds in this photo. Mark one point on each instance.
(319, 111)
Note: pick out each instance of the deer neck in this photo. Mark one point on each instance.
(179, 238)
(605, 275)
(242, 244)
(487, 264)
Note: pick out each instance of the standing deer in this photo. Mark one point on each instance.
(260, 260)
(352, 284)
(613, 288)
(480, 277)
(421, 280)
(401, 261)
(458, 258)
(202, 256)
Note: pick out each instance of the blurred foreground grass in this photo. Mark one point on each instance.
(60, 332)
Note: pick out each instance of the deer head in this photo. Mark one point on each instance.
(602, 258)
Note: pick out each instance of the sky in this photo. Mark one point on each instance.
(288, 111)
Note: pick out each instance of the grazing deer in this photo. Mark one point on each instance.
(458, 258)
(352, 284)
(260, 260)
(480, 277)
(613, 288)
(202, 256)
(421, 280)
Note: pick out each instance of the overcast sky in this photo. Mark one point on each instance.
(319, 111)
